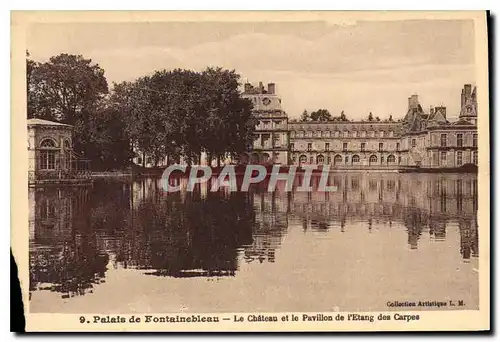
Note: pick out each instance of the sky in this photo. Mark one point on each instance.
(356, 67)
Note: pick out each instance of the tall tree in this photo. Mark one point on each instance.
(321, 115)
(73, 90)
(181, 112)
(370, 117)
(65, 88)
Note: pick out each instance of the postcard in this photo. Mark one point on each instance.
(251, 171)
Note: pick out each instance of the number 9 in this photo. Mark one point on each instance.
(82, 319)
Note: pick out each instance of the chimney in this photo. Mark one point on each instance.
(248, 87)
(468, 90)
(261, 88)
(413, 102)
(271, 88)
(462, 99)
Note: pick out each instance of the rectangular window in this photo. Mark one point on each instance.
(327, 146)
(381, 160)
(474, 140)
(381, 134)
(276, 140)
(48, 160)
(309, 146)
(460, 140)
(329, 160)
(459, 158)
(344, 146)
(397, 146)
(311, 160)
(413, 142)
(363, 146)
(380, 146)
(345, 134)
(355, 134)
(443, 158)
(474, 157)
(443, 140)
(292, 146)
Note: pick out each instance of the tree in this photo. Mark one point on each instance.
(321, 115)
(370, 117)
(343, 117)
(377, 118)
(182, 112)
(65, 88)
(73, 90)
(68, 89)
(390, 118)
(305, 116)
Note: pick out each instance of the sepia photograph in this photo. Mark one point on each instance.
(243, 171)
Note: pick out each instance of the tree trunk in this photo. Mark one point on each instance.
(143, 159)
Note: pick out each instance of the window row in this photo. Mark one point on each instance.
(345, 147)
(444, 140)
(338, 159)
(345, 134)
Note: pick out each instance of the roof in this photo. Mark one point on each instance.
(40, 122)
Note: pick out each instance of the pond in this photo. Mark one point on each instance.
(130, 247)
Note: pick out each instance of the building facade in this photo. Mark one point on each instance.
(51, 158)
(271, 141)
(421, 139)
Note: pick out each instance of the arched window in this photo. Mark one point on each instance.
(320, 159)
(47, 159)
(355, 158)
(302, 159)
(373, 159)
(391, 159)
(48, 143)
(337, 159)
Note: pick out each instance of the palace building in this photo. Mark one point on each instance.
(421, 139)
(271, 144)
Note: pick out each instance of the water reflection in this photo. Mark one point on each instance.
(77, 235)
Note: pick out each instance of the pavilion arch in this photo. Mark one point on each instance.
(47, 154)
(48, 143)
(320, 159)
(373, 159)
(355, 159)
(337, 160)
(303, 159)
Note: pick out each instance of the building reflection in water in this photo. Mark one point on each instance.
(76, 235)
